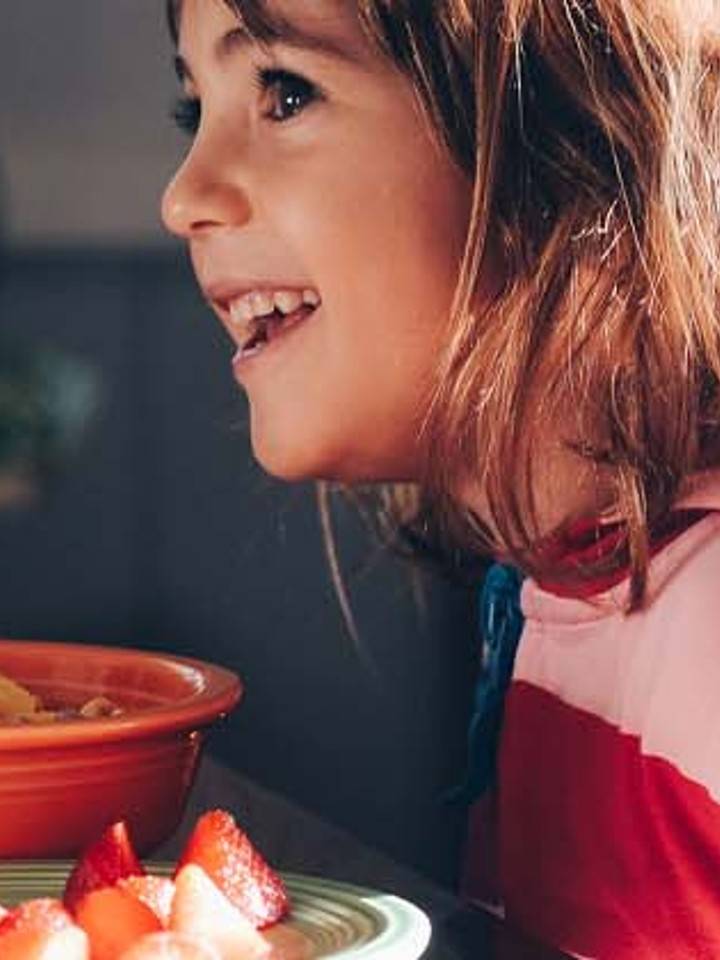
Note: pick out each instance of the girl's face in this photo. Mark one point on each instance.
(313, 188)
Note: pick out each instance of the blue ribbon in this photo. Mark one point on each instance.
(501, 624)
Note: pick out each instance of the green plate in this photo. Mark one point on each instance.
(328, 919)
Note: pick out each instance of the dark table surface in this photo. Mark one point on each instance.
(294, 840)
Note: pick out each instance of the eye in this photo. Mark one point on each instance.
(285, 94)
(186, 114)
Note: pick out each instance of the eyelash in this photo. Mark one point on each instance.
(186, 115)
(187, 110)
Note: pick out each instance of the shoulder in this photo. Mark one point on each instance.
(653, 675)
(684, 587)
(672, 679)
(685, 576)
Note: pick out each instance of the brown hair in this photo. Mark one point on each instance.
(591, 130)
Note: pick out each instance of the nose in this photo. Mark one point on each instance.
(202, 196)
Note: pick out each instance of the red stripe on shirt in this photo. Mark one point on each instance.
(605, 852)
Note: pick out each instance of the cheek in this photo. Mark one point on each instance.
(375, 227)
(382, 238)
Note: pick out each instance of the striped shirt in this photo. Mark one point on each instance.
(603, 837)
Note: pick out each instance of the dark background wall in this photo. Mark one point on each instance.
(160, 531)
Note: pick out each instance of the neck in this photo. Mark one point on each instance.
(565, 487)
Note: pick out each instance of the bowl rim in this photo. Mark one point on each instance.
(218, 691)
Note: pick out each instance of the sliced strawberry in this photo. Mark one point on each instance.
(102, 864)
(170, 946)
(41, 914)
(155, 892)
(201, 910)
(113, 920)
(228, 857)
(41, 930)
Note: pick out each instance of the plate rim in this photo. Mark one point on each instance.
(405, 925)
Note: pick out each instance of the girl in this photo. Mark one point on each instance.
(470, 249)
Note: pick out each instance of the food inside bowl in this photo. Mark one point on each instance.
(18, 707)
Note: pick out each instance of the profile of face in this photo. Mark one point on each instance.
(326, 229)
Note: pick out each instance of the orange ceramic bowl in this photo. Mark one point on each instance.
(62, 783)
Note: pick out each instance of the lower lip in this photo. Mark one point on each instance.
(245, 361)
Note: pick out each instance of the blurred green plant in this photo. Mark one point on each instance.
(47, 399)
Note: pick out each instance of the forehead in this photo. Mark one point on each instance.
(219, 28)
(263, 19)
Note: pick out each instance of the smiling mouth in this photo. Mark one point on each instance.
(262, 331)
(257, 318)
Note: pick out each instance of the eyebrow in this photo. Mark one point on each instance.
(281, 32)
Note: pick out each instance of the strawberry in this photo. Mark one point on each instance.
(228, 857)
(155, 892)
(170, 946)
(102, 864)
(113, 920)
(200, 909)
(41, 930)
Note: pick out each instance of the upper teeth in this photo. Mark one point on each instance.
(262, 303)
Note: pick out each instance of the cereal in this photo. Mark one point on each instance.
(20, 707)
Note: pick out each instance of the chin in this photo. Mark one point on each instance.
(296, 466)
(295, 456)
(346, 471)
(292, 463)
